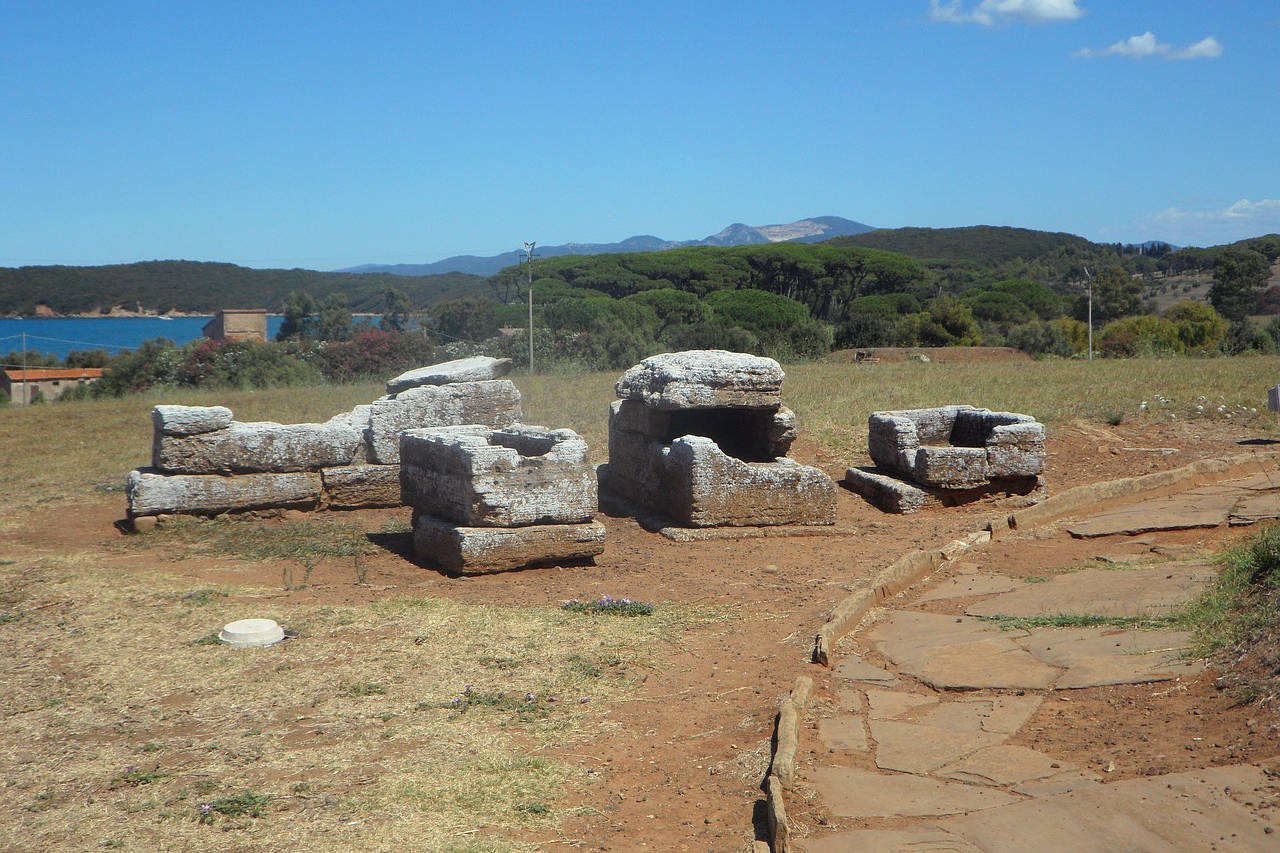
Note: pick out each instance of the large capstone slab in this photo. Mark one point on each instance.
(511, 477)
(259, 447)
(477, 368)
(704, 379)
(702, 437)
(491, 403)
(189, 420)
(465, 550)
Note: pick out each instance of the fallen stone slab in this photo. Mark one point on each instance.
(922, 838)
(481, 550)
(1001, 714)
(477, 368)
(151, 493)
(845, 733)
(862, 794)
(265, 447)
(855, 669)
(920, 749)
(1213, 808)
(1004, 765)
(888, 704)
(1148, 591)
(702, 379)
(890, 493)
(1062, 783)
(969, 585)
(510, 477)
(492, 403)
(1179, 512)
(959, 654)
(1097, 657)
(190, 420)
(356, 486)
(1255, 508)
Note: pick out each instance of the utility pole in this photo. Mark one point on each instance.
(528, 257)
(26, 387)
(1089, 285)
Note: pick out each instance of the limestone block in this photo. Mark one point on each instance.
(707, 488)
(190, 420)
(479, 550)
(352, 486)
(951, 467)
(892, 440)
(886, 493)
(781, 433)
(151, 493)
(491, 403)
(1273, 398)
(511, 477)
(474, 369)
(635, 417)
(704, 379)
(259, 447)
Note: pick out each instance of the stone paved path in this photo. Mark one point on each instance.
(916, 753)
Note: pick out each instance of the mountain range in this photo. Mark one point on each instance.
(812, 230)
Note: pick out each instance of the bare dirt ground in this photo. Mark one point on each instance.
(682, 767)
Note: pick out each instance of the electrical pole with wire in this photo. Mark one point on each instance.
(26, 386)
(1089, 285)
(528, 257)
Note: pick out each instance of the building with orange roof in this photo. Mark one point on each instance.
(44, 383)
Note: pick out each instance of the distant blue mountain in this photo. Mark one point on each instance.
(813, 230)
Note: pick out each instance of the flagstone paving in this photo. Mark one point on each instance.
(1246, 501)
(916, 754)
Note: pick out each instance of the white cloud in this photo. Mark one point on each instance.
(1147, 45)
(992, 12)
(1236, 221)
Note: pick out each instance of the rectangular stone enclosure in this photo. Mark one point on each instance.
(487, 500)
(948, 454)
(701, 438)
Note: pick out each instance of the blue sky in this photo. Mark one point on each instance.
(325, 135)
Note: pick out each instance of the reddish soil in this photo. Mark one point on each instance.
(682, 769)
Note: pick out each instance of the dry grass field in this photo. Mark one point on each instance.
(394, 721)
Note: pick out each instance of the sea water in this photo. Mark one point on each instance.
(60, 335)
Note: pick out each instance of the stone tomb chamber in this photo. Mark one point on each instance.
(701, 438)
(949, 455)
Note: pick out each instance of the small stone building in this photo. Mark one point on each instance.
(48, 383)
(702, 437)
(238, 324)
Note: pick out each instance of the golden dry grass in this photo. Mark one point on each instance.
(119, 727)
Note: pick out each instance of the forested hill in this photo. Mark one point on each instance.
(205, 287)
(979, 244)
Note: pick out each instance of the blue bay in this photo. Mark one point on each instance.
(61, 335)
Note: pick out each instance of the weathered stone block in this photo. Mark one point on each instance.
(951, 467)
(259, 447)
(887, 494)
(702, 379)
(353, 486)
(479, 550)
(781, 432)
(492, 403)
(708, 488)
(190, 420)
(150, 493)
(635, 417)
(474, 369)
(511, 477)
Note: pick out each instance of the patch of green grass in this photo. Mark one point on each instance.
(132, 778)
(201, 597)
(1173, 620)
(1035, 579)
(532, 808)
(1241, 604)
(247, 804)
(7, 616)
(526, 708)
(368, 688)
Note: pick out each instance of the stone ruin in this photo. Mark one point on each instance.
(948, 455)
(204, 463)
(701, 438)
(488, 500)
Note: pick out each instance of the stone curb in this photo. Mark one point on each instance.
(782, 769)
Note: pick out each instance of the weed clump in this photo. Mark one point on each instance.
(607, 605)
(238, 805)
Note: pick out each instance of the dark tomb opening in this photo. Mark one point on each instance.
(741, 433)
